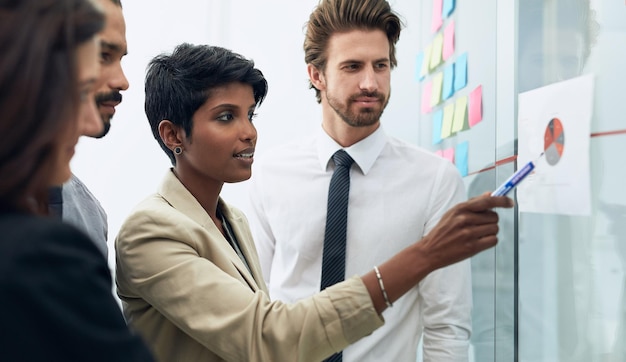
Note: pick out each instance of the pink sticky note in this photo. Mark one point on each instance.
(439, 153)
(448, 41)
(426, 97)
(475, 111)
(448, 154)
(437, 16)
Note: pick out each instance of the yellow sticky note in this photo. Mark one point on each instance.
(448, 114)
(459, 114)
(426, 63)
(436, 51)
(435, 96)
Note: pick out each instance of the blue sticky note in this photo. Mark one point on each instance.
(448, 82)
(437, 124)
(419, 63)
(448, 7)
(460, 158)
(460, 72)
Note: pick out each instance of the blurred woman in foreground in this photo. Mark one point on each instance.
(56, 302)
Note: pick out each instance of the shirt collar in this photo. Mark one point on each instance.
(364, 153)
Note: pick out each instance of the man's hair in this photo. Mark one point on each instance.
(338, 16)
(39, 92)
(178, 84)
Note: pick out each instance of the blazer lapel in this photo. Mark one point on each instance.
(246, 243)
(177, 195)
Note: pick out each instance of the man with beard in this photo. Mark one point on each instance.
(397, 191)
(73, 201)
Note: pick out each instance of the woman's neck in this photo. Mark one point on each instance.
(206, 191)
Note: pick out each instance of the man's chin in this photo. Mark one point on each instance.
(105, 129)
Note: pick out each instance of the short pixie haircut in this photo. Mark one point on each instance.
(178, 84)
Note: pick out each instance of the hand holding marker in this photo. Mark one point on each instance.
(516, 178)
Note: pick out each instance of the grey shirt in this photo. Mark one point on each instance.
(83, 210)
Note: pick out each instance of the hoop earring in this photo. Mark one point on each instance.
(178, 150)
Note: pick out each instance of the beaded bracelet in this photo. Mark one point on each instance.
(382, 287)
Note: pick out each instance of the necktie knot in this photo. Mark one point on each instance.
(342, 159)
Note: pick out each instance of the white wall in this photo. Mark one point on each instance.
(127, 165)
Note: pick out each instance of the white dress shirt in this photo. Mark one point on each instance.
(398, 193)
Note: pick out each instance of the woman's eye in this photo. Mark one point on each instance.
(251, 116)
(225, 117)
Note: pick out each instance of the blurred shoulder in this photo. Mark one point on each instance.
(29, 239)
(31, 228)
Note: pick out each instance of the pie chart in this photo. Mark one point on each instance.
(554, 141)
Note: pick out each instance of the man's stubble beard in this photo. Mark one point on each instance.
(106, 122)
(366, 117)
(113, 96)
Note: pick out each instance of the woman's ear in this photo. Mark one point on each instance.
(170, 134)
(316, 77)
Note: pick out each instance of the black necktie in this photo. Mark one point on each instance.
(334, 255)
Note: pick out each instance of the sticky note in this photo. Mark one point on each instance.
(448, 7)
(448, 115)
(419, 64)
(437, 20)
(460, 157)
(460, 110)
(448, 41)
(426, 91)
(460, 72)
(475, 110)
(435, 98)
(439, 153)
(436, 51)
(448, 154)
(448, 82)
(437, 123)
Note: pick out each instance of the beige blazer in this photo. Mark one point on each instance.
(189, 295)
